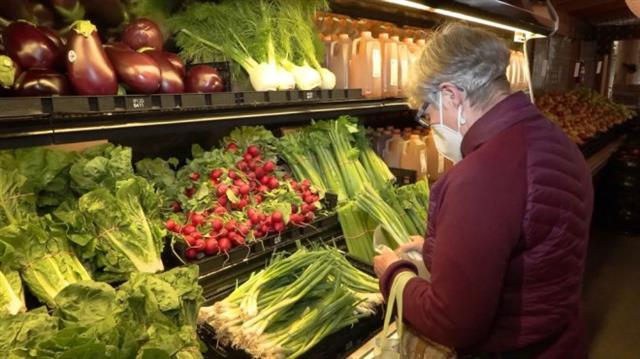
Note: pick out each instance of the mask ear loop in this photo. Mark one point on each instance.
(461, 119)
(440, 107)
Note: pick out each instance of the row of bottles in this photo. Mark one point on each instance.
(411, 149)
(379, 66)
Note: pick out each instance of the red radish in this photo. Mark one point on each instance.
(238, 182)
(197, 219)
(278, 227)
(199, 244)
(191, 253)
(239, 240)
(273, 183)
(222, 201)
(247, 157)
(242, 165)
(296, 218)
(221, 190)
(244, 229)
(223, 233)
(215, 174)
(194, 176)
(220, 210)
(265, 180)
(294, 185)
(253, 165)
(230, 226)
(224, 244)
(232, 147)
(242, 203)
(171, 225)
(309, 199)
(216, 224)
(190, 240)
(175, 207)
(276, 217)
(245, 189)
(232, 174)
(294, 208)
(211, 247)
(309, 217)
(196, 235)
(188, 229)
(258, 198)
(269, 166)
(258, 234)
(253, 150)
(306, 208)
(259, 173)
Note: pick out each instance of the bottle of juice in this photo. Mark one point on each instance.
(414, 156)
(340, 56)
(394, 149)
(413, 50)
(403, 65)
(327, 41)
(365, 71)
(389, 65)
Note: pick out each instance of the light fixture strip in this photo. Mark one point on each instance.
(457, 15)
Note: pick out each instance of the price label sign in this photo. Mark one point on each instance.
(138, 103)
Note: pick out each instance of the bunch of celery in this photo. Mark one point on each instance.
(414, 199)
(377, 171)
(301, 161)
(273, 41)
(288, 307)
(390, 220)
(358, 229)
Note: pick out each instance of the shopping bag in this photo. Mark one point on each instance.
(408, 344)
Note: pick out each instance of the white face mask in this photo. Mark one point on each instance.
(448, 141)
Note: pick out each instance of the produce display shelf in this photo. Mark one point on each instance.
(337, 345)
(68, 127)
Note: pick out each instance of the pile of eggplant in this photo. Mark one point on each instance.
(36, 60)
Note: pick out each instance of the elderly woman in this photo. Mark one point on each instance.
(508, 224)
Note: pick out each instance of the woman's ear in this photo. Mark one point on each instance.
(451, 94)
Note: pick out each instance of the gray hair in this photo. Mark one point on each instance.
(473, 59)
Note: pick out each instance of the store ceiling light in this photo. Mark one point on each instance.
(460, 16)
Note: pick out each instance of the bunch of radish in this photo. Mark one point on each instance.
(241, 203)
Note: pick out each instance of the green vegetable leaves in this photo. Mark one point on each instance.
(120, 232)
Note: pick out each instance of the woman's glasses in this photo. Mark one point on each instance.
(420, 116)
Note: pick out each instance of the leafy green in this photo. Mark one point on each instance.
(121, 232)
(151, 316)
(166, 305)
(101, 166)
(11, 293)
(19, 333)
(45, 258)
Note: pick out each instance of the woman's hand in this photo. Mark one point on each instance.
(416, 244)
(382, 261)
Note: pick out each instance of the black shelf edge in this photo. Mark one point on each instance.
(70, 129)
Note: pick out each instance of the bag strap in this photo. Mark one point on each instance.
(396, 296)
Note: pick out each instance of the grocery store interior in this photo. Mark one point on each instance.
(213, 179)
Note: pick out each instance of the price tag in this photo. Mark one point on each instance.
(137, 103)
(576, 70)
(599, 68)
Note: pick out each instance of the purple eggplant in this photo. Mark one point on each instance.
(69, 10)
(177, 62)
(89, 68)
(204, 78)
(139, 71)
(30, 47)
(142, 33)
(172, 79)
(9, 72)
(42, 82)
(107, 13)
